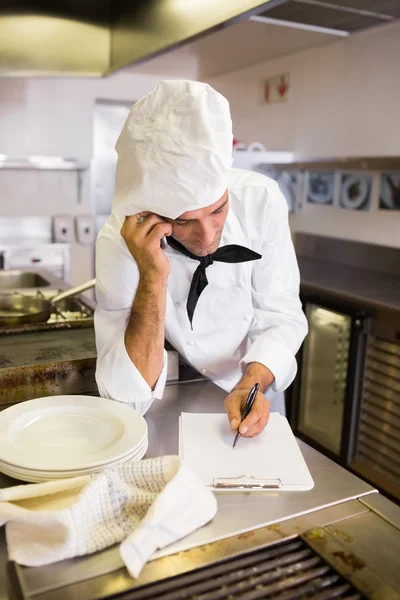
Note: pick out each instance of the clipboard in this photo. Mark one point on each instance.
(271, 461)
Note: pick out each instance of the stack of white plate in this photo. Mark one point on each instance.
(68, 436)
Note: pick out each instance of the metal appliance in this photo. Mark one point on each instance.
(286, 569)
(26, 242)
(56, 258)
(113, 35)
(71, 313)
(345, 399)
(327, 392)
(377, 451)
(40, 287)
(18, 309)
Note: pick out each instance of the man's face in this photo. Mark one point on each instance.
(200, 230)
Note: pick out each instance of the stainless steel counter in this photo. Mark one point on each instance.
(359, 286)
(339, 502)
(363, 274)
(240, 512)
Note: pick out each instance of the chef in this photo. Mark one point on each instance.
(197, 253)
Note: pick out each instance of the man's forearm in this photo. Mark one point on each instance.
(256, 373)
(144, 335)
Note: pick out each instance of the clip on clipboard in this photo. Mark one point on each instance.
(245, 482)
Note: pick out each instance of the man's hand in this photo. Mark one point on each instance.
(258, 417)
(255, 421)
(142, 234)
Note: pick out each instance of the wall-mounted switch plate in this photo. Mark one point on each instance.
(63, 228)
(85, 229)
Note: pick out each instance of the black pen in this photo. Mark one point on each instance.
(247, 408)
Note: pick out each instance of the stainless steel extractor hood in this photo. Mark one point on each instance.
(97, 37)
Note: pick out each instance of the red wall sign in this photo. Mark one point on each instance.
(276, 88)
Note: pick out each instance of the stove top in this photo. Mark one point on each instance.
(70, 313)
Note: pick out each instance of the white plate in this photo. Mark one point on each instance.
(71, 472)
(63, 470)
(388, 191)
(33, 477)
(68, 433)
(325, 190)
(354, 202)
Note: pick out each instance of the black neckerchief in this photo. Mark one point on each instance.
(231, 253)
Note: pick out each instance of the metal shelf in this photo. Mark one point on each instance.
(43, 163)
(366, 163)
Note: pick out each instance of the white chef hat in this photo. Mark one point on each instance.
(174, 151)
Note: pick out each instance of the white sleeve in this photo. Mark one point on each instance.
(279, 325)
(116, 284)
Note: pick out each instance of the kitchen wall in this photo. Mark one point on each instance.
(54, 117)
(344, 100)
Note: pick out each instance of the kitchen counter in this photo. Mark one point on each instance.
(343, 517)
(352, 284)
(360, 273)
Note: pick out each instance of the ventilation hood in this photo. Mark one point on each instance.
(97, 37)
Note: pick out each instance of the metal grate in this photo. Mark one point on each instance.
(287, 570)
(378, 443)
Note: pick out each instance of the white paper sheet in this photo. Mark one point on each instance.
(205, 445)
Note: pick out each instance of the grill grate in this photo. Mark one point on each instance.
(289, 570)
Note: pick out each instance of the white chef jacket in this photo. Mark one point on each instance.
(248, 312)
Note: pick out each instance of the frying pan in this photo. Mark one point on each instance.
(17, 308)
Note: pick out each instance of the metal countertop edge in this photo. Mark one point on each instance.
(389, 512)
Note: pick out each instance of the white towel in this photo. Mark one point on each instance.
(146, 505)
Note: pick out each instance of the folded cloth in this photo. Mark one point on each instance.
(146, 505)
